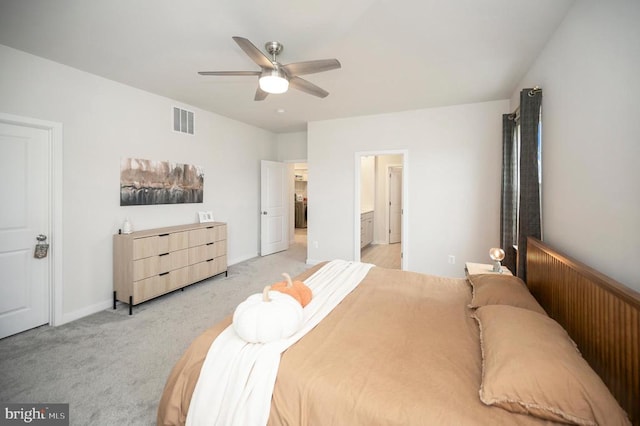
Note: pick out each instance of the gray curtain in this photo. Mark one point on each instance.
(529, 221)
(508, 207)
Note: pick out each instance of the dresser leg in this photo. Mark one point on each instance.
(114, 299)
(130, 305)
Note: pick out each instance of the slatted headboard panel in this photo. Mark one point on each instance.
(601, 315)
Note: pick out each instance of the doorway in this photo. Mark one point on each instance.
(31, 159)
(395, 204)
(381, 218)
(300, 194)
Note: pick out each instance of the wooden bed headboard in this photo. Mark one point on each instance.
(601, 315)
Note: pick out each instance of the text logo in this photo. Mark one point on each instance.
(34, 414)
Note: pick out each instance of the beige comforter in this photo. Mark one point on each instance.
(401, 349)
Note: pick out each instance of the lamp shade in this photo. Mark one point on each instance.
(274, 81)
(496, 254)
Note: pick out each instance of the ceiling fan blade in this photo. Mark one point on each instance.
(254, 53)
(307, 87)
(260, 94)
(229, 72)
(311, 67)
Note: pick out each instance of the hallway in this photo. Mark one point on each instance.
(383, 255)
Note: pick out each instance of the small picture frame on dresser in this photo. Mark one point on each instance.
(205, 217)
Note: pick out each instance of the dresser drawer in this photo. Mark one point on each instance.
(147, 267)
(157, 285)
(202, 270)
(202, 253)
(208, 251)
(221, 232)
(221, 264)
(173, 260)
(208, 268)
(199, 237)
(220, 248)
(147, 289)
(173, 241)
(145, 247)
(177, 279)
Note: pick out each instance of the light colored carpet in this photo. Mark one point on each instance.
(111, 367)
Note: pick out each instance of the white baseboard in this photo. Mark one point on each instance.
(313, 261)
(86, 311)
(239, 259)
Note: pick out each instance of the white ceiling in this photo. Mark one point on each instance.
(396, 55)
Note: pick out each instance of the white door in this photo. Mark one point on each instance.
(24, 280)
(274, 209)
(395, 204)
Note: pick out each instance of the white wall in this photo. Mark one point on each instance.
(292, 146)
(454, 156)
(589, 73)
(104, 121)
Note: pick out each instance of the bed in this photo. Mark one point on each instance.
(407, 348)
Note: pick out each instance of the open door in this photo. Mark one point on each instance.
(395, 204)
(274, 209)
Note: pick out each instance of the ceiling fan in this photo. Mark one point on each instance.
(277, 78)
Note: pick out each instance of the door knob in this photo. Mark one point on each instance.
(264, 213)
(41, 247)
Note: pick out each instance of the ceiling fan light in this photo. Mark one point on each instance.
(274, 82)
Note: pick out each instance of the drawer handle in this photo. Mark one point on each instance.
(209, 260)
(209, 244)
(210, 227)
(164, 273)
(163, 235)
(163, 254)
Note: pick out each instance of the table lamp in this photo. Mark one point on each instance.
(496, 254)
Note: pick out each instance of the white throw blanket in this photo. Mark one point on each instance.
(237, 378)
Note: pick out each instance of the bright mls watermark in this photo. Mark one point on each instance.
(34, 414)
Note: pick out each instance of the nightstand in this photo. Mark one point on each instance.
(483, 268)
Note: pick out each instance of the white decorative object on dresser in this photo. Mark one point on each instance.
(148, 264)
(366, 228)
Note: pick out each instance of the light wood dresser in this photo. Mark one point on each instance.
(150, 263)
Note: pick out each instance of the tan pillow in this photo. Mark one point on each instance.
(530, 365)
(497, 289)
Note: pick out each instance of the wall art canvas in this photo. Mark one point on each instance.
(145, 182)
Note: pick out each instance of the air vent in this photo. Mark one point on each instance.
(182, 120)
